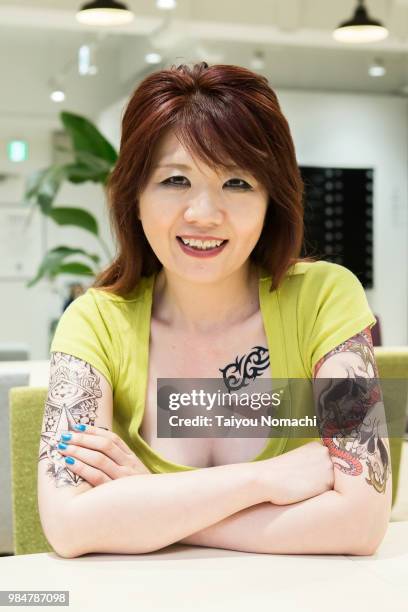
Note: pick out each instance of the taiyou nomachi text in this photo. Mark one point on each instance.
(237, 423)
(208, 400)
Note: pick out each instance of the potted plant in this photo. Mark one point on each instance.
(93, 158)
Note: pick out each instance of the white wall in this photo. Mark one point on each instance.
(331, 129)
(345, 130)
(110, 120)
(26, 314)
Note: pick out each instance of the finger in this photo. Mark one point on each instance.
(94, 459)
(95, 441)
(90, 474)
(110, 435)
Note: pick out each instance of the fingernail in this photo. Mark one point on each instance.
(66, 437)
(62, 446)
(69, 460)
(81, 427)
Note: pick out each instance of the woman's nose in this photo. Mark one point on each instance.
(204, 209)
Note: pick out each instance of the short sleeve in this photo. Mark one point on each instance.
(83, 332)
(332, 307)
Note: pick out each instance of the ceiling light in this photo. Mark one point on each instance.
(104, 13)
(361, 28)
(57, 95)
(153, 58)
(166, 4)
(377, 68)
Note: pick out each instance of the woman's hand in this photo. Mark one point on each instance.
(296, 475)
(98, 455)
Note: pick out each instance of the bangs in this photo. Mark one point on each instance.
(222, 137)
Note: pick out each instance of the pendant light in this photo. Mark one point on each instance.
(104, 13)
(361, 28)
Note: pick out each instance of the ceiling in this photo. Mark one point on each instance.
(39, 39)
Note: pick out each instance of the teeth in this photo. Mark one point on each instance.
(200, 244)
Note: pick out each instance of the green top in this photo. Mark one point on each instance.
(318, 306)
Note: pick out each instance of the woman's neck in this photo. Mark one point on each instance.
(205, 308)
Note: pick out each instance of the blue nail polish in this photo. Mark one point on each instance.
(69, 460)
(81, 427)
(62, 446)
(66, 437)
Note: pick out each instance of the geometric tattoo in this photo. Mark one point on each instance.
(72, 398)
(351, 411)
(240, 372)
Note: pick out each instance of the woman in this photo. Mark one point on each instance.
(206, 205)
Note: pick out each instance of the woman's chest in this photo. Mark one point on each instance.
(237, 359)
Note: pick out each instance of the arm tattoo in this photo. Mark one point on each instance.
(240, 372)
(72, 398)
(351, 411)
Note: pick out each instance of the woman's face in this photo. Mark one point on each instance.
(193, 200)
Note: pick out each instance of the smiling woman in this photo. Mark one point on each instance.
(206, 205)
(229, 119)
(204, 214)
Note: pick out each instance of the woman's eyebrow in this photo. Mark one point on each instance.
(184, 166)
(187, 167)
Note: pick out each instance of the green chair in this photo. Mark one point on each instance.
(392, 363)
(26, 413)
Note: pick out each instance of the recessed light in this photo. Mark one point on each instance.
(153, 58)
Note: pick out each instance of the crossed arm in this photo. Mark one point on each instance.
(353, 516)
(80, 517)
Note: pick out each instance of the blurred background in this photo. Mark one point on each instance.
(345, 100)
(67, 69)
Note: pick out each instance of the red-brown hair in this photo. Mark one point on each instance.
(221, 113)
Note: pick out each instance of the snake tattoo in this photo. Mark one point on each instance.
(348, 424)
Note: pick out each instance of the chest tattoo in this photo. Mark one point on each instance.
(246, 368)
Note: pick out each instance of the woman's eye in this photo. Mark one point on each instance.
(178, 184)
(175, 181)
(244, 185)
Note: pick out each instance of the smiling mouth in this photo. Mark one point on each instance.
(199, 248)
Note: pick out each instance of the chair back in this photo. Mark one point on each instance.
(8, 379)
(26, 415)
(392, 363)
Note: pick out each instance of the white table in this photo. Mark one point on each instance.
(195, 578)
(38, 370)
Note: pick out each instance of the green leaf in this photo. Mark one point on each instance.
(42, 186)
(92, 161)
(75, 267)
(33, 182)
(65, 251)
(74, 216)
(53, 260)
(85, 136)
(88, 167)
(80, 173)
